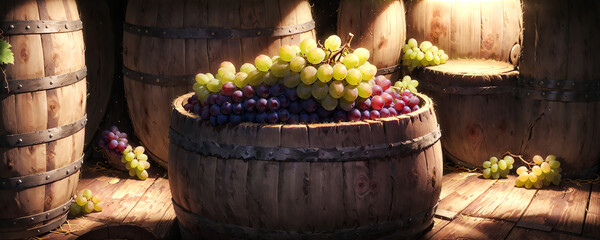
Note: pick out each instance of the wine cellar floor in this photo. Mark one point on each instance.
(470, 207)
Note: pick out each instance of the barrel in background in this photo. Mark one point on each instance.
(42, 115)
(165, 43)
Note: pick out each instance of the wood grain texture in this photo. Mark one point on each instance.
(465, 194)
(308, 197)
(149, 105)
(523, 233)
(592, 218)
(474, 228)
(465, 29)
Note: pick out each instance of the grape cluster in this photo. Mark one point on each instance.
(113, 140)
(423, 55)
(543, 173)
(84, 202)
(135, 160)
(495, 168)
(309, 83)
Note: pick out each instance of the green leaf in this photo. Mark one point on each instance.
(6, 55)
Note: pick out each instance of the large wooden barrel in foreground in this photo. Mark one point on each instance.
(378, 26)
(475, 107)
(559, 83)
(467, 29)
(42, 115)
(165, 43)
(359, 180)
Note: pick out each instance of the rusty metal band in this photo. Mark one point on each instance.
(486, 90)
(217, 32)
(37, 218)
(288, 154)
(42, 136)
(38, 179)
(19, 27)
(34, 231)
(417, 221)
(559, 90)
(43, 83)
(159, 80)
(389, 70)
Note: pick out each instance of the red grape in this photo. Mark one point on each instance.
(228, 88)
(113, 144)
(377, 102)
(263, 90)
(237, 96)
(261, 105)
(354, 115)
(121, 146)
(376, 90)
(366, 115)
(375, 114)
(406, 110)
(248, 91)
(387, 98)
(384, 112)
(273, 104)
(364, 104)
(399, 105)
(414, 100)
(111, 136)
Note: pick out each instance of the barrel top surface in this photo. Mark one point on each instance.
(474, 67)
(469, 73)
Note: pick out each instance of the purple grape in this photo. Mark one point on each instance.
(237, 108)
(375, 114)
(295, 107)
(263, 90)
(272, 117)
(187, 107)
(121, 146)
(273, 104)
(196, 109)
(222, 119)
(406, 109)
(313, 118)
(250, 117)
(414, 100)
(261, 117)
(113, 144)
(283, 101)
(339, 116)
(415, 108)
(291, 94)
(283, 114)
(304, 118)
(215, 110)
(237, 96)
(309, 105)
(213, 120)
(294, 118)
(248, 91)
(384, 112)
(235, 119)
(354, 115)
(205, 114)
(407, 93)
(396, 96)
(226, 108)
(212, 98)
(221, 99)
(323, 113)
(366, 115)
(105, 133)
(113, 129)
(364, 104)
(399, 105)
(277, 89)
(406, 100)
(111, 136)
(261, 105)
(393, 112)
(249, 105)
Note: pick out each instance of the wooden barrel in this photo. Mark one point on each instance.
(100, 40)
(475, 107)
(559, 83)
(467, 29)
(42, 115)
(165, 43)
(378, 26)
(359, 180)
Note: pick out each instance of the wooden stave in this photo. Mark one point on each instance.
(476, 124)
(386, 56)
(29, 160)
(425, 20)
(184, 120)
(157, 141)
(570, 127)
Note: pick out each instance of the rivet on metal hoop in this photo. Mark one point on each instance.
(20, 86)
(12, 26)
(48, 177)
(27, 27)
(51, 135)
(20, 140)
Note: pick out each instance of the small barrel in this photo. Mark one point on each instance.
(475, 107)
(378, 26)
(165, 43)
(559, 84)
(354, 180)
(467, 29)
(42, 115)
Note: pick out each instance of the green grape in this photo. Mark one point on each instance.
(247, 68)
(487, 173)
(537, 159)
(307, 44)
(146, 164)
(521, 169)
(336, 89)
(502, 165)
(550, 175)
(487, 164)
(81, 200)
(133, 163)
(127, 149)
(429, 56)
(519, 183)
(363, 55)
(75, 209)
(364, 90)
(304, 91)
(98, 207)
(296, 49)
(286, 53)
(213, 85)
(532, 177)
(420, 56)
(339, 71)
(280, 68)
(528, 184)
(333, 42)
(263, 62)
(538, 184)
(198, 86)
(509, 160)
(542, 176)
(407, 54)
(329, 103)
(224, 70)
(297, 64)
(425, 45)
(510, 166)
(202, 78)
(524, 176)
(138, 150)
(351, 61)
(350, 93)
(308, 75)
(88, 207)
(493, 160)
(434, 50)
(494, 167)
(315, 55)
(142, 174)
(210, 76)
(227, 65)
(405, 48)
(87, 194)
(413, 55)
(412, 43)
(291, 80)
(319, 90)
(123, 160)
(353, 77)
(270, 79)
(132, 172)
(545, 167)
(95, 199)
(443, 58)
(140, 166)
(240, 79)
(556, 180)
(368, 71)
(227, 77)
(436, 60)
(547, 182)
(537, 170)
(255, 78)
(345, 105)
(504, 173)
(550, 158)
(496, 175)
(275, 58)
(129, 156)
(325, 73)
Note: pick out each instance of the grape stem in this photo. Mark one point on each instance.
(520, 157)
(337, 54)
